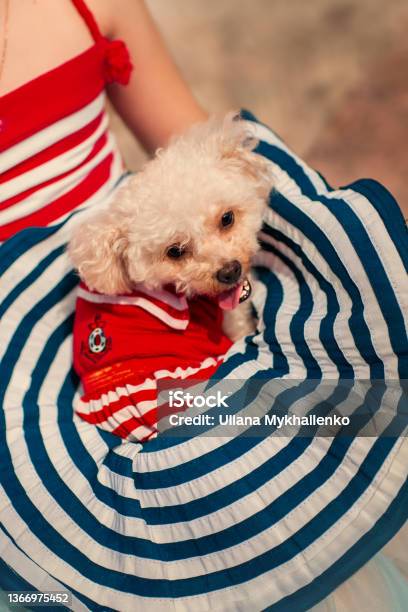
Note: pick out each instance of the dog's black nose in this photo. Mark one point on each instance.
(230, 273)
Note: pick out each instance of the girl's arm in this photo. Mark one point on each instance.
(157, 102)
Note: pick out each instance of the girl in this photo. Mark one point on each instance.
(206, 523)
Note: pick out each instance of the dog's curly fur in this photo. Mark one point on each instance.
(178, 198)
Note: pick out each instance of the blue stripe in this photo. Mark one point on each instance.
(10, 581)
(361, 243)
(379, 280)
(273, 302)
(326, 332)
(357, 324)
(16, 246)
(386, 206)
(23, 331)
(300, 318)
(29, 279)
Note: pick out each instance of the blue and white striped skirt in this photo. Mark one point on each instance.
(211, 523)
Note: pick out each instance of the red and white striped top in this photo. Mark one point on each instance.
(58, 155)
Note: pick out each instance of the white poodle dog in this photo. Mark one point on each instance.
(189, 219)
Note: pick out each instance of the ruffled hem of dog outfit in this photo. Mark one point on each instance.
(129, 410)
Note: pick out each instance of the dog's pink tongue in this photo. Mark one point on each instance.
(227, 300)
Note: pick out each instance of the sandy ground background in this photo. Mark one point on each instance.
(330, 76)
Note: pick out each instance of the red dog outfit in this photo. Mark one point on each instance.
(124, 344)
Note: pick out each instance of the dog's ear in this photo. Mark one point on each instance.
(237, 144)
(98, 251)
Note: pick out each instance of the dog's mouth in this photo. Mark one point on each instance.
(229, 299)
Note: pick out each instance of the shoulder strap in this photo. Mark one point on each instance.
(89, 19)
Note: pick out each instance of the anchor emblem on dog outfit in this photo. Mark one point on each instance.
(98, 342)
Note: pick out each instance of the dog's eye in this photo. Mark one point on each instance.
(175, 251)
(227, 219)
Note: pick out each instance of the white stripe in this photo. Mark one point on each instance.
(29, 260)
(264, 133)
(101, 196)
(24, 303)
(57, 165)
(372, 314)
(290, 304)
(179, 302)
(383, 245)
(30, 571)
(141, 302)
(52, 192)
(150, 383)
(319, 310)
(51, 134)
(120, 416)
(336, 234)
